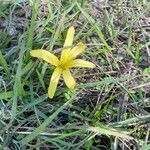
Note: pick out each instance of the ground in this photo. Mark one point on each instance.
(110, 107)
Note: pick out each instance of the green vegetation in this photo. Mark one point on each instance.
(110, 107)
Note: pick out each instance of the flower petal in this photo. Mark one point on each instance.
(69, 37)
(68, 78)
(45, 55)
(64, 56)
(53, 82)
(77, 50)
(80, 63)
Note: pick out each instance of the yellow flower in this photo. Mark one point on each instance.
(66, 62)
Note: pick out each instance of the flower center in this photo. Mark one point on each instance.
(62, 66)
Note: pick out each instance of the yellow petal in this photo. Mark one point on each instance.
(80, 63)
(69, 37)
(68, 78)
(64, 56)
(77, 50)
(45, 55)
(53, 82)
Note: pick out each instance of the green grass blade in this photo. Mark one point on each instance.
(131, 121)
(146, 147)
(137, 53)
(18, 87)
(107, 81)
(4, 65)
(97, 28)
(40, 77)
(33, 103)
(18, 83)
(6, 95)
(109, 131)
(32, 25)
(27, 68)
(38, 130)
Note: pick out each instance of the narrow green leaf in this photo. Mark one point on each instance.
(40, 77)
(131, 121)
(4, 39)
(109, 131)
(4, 65)
(38, 130)
(33, 103)
(129, 46)
(107, 81)
(137, 55)
(146, 70)
(97, 28)
(18, 87)
(6, 95)
(32, 25)
(146, 147)
(27, 68)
